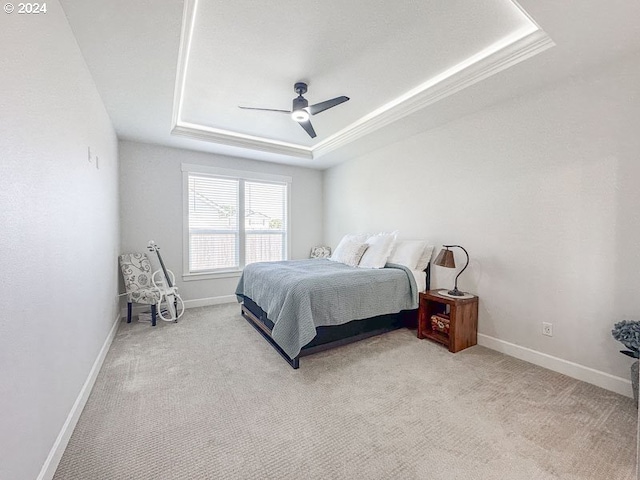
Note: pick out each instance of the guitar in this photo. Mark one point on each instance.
(164, 280)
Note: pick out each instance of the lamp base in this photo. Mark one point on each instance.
(464, 296)
(456, 293)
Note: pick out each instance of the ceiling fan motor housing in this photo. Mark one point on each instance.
(299, 103)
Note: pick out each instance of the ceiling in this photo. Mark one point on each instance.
(174, 73)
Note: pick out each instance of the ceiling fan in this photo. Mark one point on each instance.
(300, 109)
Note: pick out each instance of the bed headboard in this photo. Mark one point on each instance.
(428, 272)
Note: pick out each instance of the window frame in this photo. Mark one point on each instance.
(242, 176)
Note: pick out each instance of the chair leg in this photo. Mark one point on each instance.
(153, 315)
(128, 312)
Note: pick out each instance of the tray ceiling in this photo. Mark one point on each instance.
(374, 52)
(390, 58)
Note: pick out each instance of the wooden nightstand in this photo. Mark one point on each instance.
(460, 313)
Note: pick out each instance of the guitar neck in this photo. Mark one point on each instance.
(164, 269)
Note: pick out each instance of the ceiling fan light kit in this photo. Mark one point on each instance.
(300, 109)
(300, 115)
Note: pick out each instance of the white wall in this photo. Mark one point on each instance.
(60, 234)
(542, 191)
(151, 207)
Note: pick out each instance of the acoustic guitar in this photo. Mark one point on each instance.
(164, 280)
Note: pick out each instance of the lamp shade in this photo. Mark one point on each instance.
(445, 259)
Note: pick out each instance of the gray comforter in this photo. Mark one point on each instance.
(300, 295)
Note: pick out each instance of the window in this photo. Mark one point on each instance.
(233, 219)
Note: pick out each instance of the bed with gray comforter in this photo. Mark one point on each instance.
(300, 295)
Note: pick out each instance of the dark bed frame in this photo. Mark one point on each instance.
(335, 335)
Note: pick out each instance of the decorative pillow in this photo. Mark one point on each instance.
(407, 253)
(320, 252)
(350, 252)
(425, 258)
(380, 247)
(338, 252)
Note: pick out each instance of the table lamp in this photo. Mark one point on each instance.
(445, 259)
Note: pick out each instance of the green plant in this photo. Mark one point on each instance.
(628, 333)
(275, 224)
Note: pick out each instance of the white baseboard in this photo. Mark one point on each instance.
(571, 369)
(55, 454)
(205, 302)
(198, 302)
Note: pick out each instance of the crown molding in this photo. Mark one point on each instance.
(186, 33)
(241, 140)
(457, 78)
(503, 54)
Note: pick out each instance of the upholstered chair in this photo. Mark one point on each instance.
(136, 271)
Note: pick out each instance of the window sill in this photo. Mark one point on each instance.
(190, 277)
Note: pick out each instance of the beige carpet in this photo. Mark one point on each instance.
(207, 398)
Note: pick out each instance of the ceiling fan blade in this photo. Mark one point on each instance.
(308, 128)
(265, 109)
(322, 106)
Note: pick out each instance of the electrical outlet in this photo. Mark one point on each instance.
(547, 329)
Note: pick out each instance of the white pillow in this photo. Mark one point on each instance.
(350, 252)
(407, 253)
(339, 251)
(425, 258)
(380, 247)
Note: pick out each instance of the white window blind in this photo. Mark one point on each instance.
(213, 223)
(233, 222)
(265, 221)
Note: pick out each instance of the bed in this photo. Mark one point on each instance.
(304, 306)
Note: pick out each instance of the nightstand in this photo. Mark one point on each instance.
(455, 320)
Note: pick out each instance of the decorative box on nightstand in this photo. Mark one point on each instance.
(448, 320)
